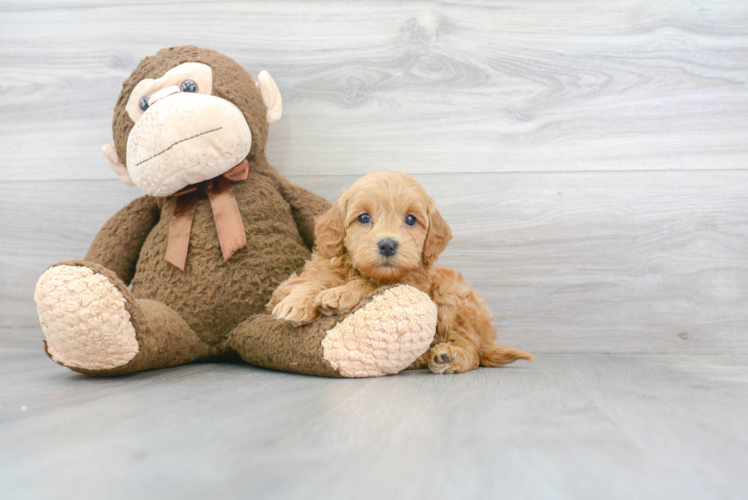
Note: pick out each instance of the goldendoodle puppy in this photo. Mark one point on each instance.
(386, 230)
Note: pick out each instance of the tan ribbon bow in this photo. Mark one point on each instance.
(229, 224)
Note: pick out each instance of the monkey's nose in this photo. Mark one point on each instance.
(162, 93)
(387, 247)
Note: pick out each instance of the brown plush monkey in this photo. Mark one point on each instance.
(202, 252)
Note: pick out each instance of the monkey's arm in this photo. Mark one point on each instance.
(305, 205)
(117, 246)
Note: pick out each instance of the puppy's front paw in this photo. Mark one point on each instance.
(337, 300)
(275, 299)
(447, 358)
(296, 311)
(284, 290)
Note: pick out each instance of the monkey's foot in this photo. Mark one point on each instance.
(384, 336)
(84, 319)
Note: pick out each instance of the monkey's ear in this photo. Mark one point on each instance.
(270, 95)
(110, 153)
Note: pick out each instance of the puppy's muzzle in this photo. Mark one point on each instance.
(387, 247)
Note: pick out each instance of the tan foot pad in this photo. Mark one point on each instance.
(84, 319)
(383, 337)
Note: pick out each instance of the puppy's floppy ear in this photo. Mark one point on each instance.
(438, 236)
(329, 230)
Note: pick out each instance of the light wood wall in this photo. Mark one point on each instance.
(591, 157)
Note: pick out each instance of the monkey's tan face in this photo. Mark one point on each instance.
(182, 134)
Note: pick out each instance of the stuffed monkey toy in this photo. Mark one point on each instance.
(184, 272)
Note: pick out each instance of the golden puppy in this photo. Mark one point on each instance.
(386, 230)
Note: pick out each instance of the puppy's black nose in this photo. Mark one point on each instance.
(388, 247)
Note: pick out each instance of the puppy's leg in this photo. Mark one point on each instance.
(466, 337)
(421, 362)
(284, 290)
(342, 299)
(462, 316)
(299, 307)
(456, 355)
(466, 349)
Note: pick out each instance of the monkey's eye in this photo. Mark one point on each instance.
(410, 220)
(364, 218)
(188, 86)
(144, 104)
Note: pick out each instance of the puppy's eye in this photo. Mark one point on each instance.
(364, 218)
(188, 86)
(410, 220)
(144, 104)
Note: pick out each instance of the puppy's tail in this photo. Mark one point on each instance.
(494, 355)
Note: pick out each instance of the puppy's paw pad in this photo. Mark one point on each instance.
(442, 358)
(446, 358)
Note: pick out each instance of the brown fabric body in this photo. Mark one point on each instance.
(117, 245)
(226, 214)
(180, 316)
(211, 295)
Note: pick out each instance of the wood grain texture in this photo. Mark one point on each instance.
(563, 427)
(511, 86)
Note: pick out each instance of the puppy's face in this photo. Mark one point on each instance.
(387, 224)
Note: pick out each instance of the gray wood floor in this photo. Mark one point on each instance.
(566, 426)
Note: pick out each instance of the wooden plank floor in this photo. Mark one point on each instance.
(565, 426)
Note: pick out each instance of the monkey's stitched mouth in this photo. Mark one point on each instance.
(178, 142)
